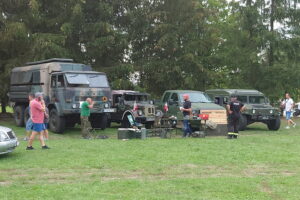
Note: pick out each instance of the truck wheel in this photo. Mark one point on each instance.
(149, 125)
(274, 124)
(57, 124)
(26, 114)
(19, 115)
(243, 123)
(99, 122)
(125, 123)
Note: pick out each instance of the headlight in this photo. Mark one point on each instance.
(74, 106)
(106, 105)
(140, 113)
(253, 111)
(3, 136)
(271, 111)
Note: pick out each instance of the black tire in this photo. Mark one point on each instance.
(26, 114)
(57, 124)
(125, 123)
(149, 125)
(19, 115)
(99, 121)
(274, 124)
(243, 122)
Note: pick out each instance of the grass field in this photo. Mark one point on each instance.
(261, 164)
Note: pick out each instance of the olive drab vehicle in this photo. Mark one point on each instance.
(65, 86)
(258, 108)
(172, 100)
(133, 104)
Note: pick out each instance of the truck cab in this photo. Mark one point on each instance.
(134, 104)
(65, 86)
(201, 104)
(258, 108)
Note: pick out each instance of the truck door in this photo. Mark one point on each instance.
(174, 104)
(57, 88)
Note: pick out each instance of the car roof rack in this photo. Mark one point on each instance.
(65, 60)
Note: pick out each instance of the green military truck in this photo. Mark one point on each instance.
(65, 86)
(258, 108)
(134, 104)
(172, 100)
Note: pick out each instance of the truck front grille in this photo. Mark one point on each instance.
(151, 110)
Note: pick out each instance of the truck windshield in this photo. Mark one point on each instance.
(257, 100)
(136, 98)
(197, 97)
(86, 80)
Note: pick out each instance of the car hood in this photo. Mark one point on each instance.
(206, 106)
(5, 129)
(259, 106)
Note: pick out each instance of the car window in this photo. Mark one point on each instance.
(53, 81)
(166, 97)
(174, 97)
(242, 99)
(60, 81)
(257, 99)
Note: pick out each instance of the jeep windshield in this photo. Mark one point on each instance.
(257, 100)
(129, 97)
(197, 97)
(86, 80)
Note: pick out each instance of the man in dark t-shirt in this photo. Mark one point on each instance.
(186, 111)
(234, 109)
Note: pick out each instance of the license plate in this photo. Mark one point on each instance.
(150, 119)
(109, 110)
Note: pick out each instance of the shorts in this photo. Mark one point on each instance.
(288, 115)
(38, 127)
(29, 124)
(46, 126)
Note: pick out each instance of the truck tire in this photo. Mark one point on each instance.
(26, 115)
(243, 123)
(125, 123)
(19, 115)
(274, 124)
(99, 122)
(57, 124)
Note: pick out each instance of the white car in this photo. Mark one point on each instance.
(8, 140)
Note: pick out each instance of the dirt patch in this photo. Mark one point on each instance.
(86, 175)
(267, 189)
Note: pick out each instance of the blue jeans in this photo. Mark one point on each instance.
(187, 131)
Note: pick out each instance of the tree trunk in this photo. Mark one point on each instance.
(3, 106)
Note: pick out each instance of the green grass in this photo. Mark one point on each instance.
(261, 164)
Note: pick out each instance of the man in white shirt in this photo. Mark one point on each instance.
(289, 105)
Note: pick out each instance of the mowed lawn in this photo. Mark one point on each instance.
(261, 164)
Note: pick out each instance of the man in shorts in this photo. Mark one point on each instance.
(289, 105)
(29, 121)
(37, 115)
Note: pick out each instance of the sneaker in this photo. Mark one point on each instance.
(45, 147)
(287, 127)
(29, 148)
(294, 126)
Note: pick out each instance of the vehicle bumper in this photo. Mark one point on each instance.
(8, 146)
(263, 118)
(100, 110)
(144, 119)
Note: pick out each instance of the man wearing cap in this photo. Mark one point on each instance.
(84, 118)
(234, 109)
(37, 109)
(186, 111)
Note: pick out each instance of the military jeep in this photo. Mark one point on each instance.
(258, 108)
(65, 86)
(132, 104)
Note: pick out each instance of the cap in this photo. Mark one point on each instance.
(38, 94)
